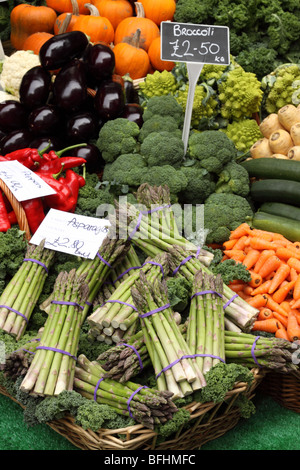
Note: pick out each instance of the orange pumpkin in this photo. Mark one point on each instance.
(114, 10)
(98, 28)
(35, 41)
(127, 28)
(157, 63)
(65, 6)
(28, 19)
(130, 58)
(158, 10)
(63, 17)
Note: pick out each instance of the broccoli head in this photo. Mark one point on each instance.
(164, 105)
(233, 179)
(118, 136)
(92, 195)
(166, 175)
(163, 148)
(224, 212)
(200, 185)
(212, 148)
(157, 124)
(127, 170)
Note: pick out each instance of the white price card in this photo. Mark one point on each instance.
(75, 234)
(23, 183)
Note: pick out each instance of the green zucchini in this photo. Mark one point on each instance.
(273, 168)
(279, 208)
(289, 228)
(276, 190)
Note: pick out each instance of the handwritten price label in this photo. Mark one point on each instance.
(74, 234)
(187, 42)
(23, 183)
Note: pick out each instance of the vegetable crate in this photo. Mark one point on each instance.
(208, 421)
(283, 388)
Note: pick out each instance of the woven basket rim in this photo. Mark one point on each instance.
(17, 208)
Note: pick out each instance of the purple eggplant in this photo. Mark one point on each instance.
(100, 61)
(82, 127)
(94, 160)
(61, 48)
(15, 140)
(47, 142)
(109, 100)
(133, 112)
(35, 87)
(13, 116)
(70, 87)
(44, 120)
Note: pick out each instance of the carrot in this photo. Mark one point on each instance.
(281, 274)
(270, 276)
(261, 244)
(294, 263)
(241, 243)
(270, 325)
(293, 328)
(229, 244)
(265, 254)
(256, 279)
(271, 264)
(296, 245)
(264, 313)
(251, 258)
(258, 301)
(273, 305)
(263, 288)
(242, 229)
(285, 305)
(285, 253)
(281, 318)
(281, 333)
(237, 287)
(295, 304)
(262, 234)
(281, 294)
(293, 274)
(237, 255)
(296, 291)
(248, 289)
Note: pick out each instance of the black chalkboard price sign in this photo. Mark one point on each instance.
(187, 42)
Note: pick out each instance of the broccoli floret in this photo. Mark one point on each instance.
(56, 407)
(212, 148)
(259, 59)
(92, 195)
(94, 416)
(166, 175)
(158, 84)
(125, 172)
(165, 105)
(179, 292)
(220, 379)
(230, 271)
(12, 250)
(179, 419)
(233, 179)
(163, 148)
(158, 124)
(244, 133)
(224, 212)
(116, 137)
(240, 94)
(200, 185)
(205, 105)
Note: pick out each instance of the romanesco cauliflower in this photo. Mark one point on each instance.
(14, 68)
(240, 94)
(244, 133)
(282, 86)
(205, 105)
(157, 84)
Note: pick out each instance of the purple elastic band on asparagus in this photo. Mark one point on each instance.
(156, 264)
(120, 302)
(102, 259)
(38, 262)
(96, 388)
(15, 311)
(63, 302)
(123, 274)
(230, 300)
(206, 292)
(57, 350)
(185, 260)
(136, 352)
(140, 218)
(164, 307)
(253, 349)
(131, 397)
(188, 356)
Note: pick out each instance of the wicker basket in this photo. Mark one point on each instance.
(17, 208)
(283, 388)
(208, 421)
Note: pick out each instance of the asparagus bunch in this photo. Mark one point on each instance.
(21, 294)
(165, 342)
(271, 353)
(147, 406)
(52, 368)
(239, 315)
(205, 333)
(152, 227)
(119, 314)
(128, 358)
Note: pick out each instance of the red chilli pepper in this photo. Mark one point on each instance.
(34, 211)
(74, 181)
(63, 199)
(26, 156)
(4, 220)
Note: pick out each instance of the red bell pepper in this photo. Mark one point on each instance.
(26, 156)
(74, 181)
(63, 199)
(34, 211)
(4, 220)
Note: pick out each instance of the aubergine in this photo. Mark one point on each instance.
(15, 140)
(109, 101)
(61, 48)
(44, 120)
(133, 112)
(35, 87)
(100, 61)
(13, 116)
(70, 87)
(93, 157)
(82, 127)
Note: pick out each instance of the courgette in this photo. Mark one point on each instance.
(273, 168)
(279, 208)
(276, 190)
(289, 228)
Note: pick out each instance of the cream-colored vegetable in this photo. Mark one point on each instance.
(261, 149)
(280, 141)
(14, 68)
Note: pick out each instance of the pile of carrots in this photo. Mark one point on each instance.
(274, 288)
